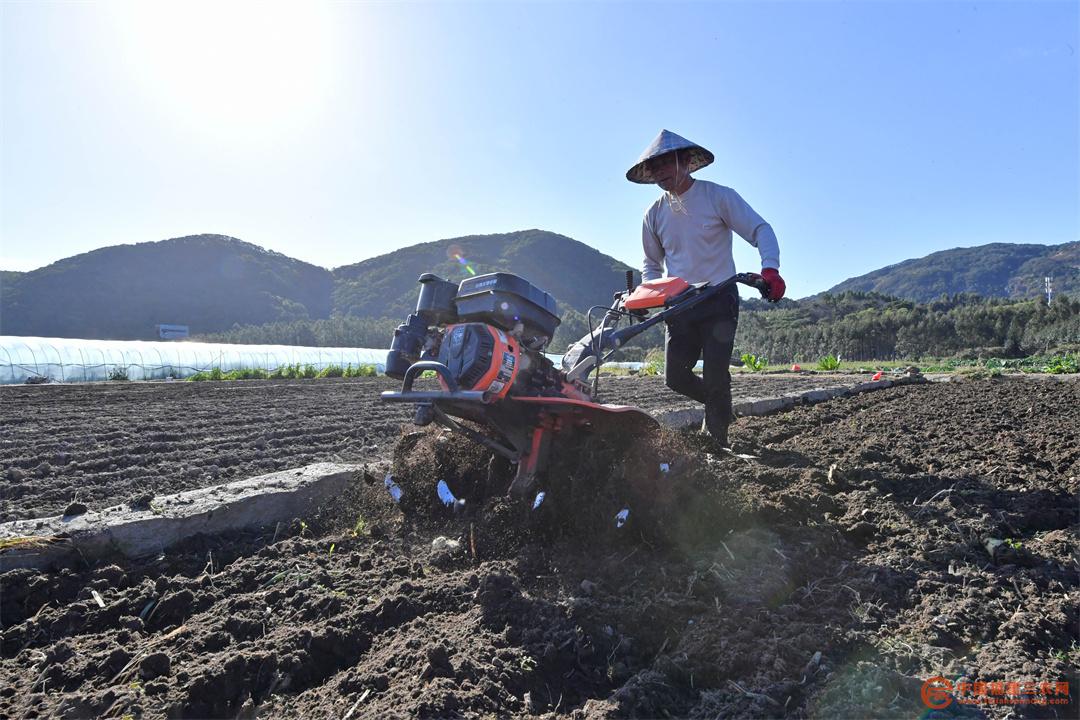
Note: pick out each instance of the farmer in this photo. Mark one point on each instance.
(687, 231)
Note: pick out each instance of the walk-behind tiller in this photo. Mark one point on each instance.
(485, 341)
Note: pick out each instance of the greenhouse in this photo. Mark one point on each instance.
(35, 359)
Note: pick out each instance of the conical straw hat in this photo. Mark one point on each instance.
(664, 143)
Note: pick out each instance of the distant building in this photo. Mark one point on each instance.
(172, 332)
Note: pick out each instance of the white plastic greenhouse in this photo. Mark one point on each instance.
(69, 360)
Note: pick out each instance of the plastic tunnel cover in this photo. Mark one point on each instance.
(75, 360)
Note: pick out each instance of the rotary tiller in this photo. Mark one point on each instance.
(485, 338)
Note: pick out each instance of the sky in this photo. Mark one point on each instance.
(865, 133)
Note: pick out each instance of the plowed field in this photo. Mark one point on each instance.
(102, 444)
(869, 544)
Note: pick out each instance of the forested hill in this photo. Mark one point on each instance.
(208, 282)
(866, 326)
(213, 283)
(1002, 270)
(238, 292)
(576, 275)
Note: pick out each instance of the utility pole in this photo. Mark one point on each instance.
(1049, 281)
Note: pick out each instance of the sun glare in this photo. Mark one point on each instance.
(235, 69)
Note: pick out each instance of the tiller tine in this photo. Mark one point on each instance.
(533, 461)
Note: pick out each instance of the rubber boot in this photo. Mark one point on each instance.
(716, 423)
(716, 439)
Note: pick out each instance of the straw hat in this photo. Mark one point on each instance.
(664, 143)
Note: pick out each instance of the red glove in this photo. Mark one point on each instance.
(776, 284)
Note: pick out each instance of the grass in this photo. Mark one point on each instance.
(652, 368)
(27, 541)
(654, 365)
(980, 367)
(286, 372)
(610, 370)
(1067, 363)
(654, 362)
(1072, 655)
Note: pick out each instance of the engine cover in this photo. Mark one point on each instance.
(505, 300)
(480, 357)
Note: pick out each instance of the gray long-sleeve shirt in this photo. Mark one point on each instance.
(696, 245)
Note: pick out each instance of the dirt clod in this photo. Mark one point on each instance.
(155, 665)
(75, 508)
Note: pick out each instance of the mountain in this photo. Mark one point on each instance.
(208, 282)
(213, 282)
(576, 275)
(1003, 270)
(9, 276)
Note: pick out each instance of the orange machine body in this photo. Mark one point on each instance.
(654, 293)
(502, 366)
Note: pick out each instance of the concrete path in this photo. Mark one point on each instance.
(687, 417)
(254, 502)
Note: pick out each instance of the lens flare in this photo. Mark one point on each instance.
(465, 263)
(456, 253)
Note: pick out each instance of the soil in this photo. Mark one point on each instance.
(102, 444)
(863, 546)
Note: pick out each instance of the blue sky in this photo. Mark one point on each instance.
(866, 133)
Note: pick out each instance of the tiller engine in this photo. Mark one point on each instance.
(485, 338)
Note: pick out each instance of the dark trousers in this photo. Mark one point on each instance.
(707, 333)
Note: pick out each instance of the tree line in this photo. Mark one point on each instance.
(337, 331)
(853, 325)
(869, 326)
(366, 332)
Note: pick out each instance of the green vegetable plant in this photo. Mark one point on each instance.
(754, 363)
(332, 371)
(829, 362)
(285, 372)
(1066, 363)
